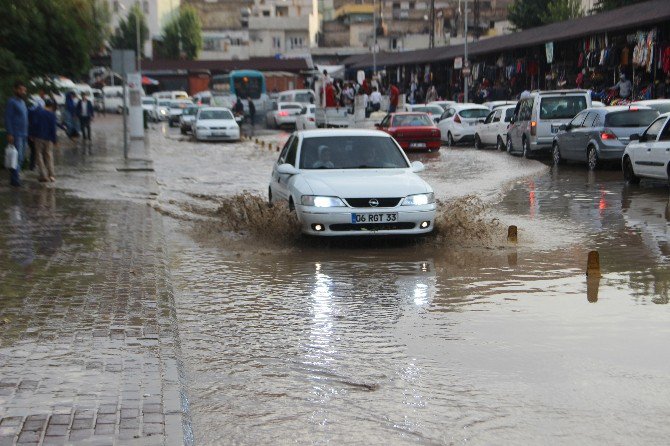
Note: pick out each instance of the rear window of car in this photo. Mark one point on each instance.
(474, 113)
(508, 114)
(303, 97)
(630, 118)
(291, 106)
(662, 108)
(351, 152)
(561, 107)
(411, 121)
(215, 114)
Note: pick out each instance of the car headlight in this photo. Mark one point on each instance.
(321, 202)
(419, 199)
(163, 112)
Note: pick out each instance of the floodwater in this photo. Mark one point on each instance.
(456, 338)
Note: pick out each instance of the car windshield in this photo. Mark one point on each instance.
(351, 152)
(191, 111)
(411, 121)
(180, 104)
(562, 107)
(475, 113)
(164, 103)
(630, 118)
(148, 101)
(215, 114)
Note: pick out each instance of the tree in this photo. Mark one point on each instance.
(101, 16)
(560, 10)
(606, 5)
(524, 14)
(125, 36)
(48, 36)
(183, 34)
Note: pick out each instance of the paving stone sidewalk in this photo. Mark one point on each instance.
(89, 349)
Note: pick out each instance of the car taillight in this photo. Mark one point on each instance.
(533, 128)
(607, 135)
(457, 119)
(437, 133)
(283, 113)
(311, 119)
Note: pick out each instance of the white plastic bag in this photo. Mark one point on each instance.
(11, 157)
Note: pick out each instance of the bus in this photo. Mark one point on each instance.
(243, 84)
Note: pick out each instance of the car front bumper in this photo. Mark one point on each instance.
(429, 145)
(231, 135)
(337, 222)
(286, 120)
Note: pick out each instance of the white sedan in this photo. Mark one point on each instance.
(305, 119)
(459, 122)
(493, 130)
(352, 182)
(215, 124)
(648, 155)
(283, 114)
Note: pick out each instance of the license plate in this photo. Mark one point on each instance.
(554, 129)
(374, 218)
(417, 145)
(219, 133)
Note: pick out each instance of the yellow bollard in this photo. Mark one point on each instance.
(593, 264)
(512, 234)
(592, 286)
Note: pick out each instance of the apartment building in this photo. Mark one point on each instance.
(157, 13)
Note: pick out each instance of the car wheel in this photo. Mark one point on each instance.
(500, 145)
(478, 142)
(629, 173)
(510, 148)
(592, 158)
(291, 206)
(556, 155)
(270, 196)
(526, 148)
(183, 130)
(450, 140)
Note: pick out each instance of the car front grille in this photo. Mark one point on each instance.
(365, 202)
(371, 227)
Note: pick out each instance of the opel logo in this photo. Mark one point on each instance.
(373, 202)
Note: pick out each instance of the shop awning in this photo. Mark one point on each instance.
(629, 17)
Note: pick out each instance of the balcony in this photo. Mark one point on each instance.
(279, 23)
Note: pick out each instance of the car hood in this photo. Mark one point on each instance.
(217, 123)
(364, 183)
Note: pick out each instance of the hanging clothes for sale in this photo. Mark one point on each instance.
(624, 56)
(665, 58)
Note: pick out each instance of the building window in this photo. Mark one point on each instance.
(266, 13)
(281, 11)
(145, 4)
(276, 42)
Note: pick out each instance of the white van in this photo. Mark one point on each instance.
(170, 95)
(301, 96)
(113, 98)
(80, 89)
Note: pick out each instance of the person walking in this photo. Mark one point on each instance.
(431, 95)
(252, 114)
(394, 96)
(70, 113)
(375, 100)
(16, 125)
(85, 114)
(45, 139)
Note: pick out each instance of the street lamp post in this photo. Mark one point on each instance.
(137, 33)
(374, 40)
(465, 61)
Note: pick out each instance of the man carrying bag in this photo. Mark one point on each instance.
(16, 124)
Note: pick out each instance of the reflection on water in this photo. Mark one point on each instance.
(440, 344)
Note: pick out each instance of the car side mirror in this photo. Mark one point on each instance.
(634, 137)
(512, 120)
(563, 127)
(417, 166)
(287, 169)
(482, 121)
(378, 125)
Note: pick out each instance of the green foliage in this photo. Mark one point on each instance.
(11, 70)
(101, 16)
(524, 14)
(183, 35)
(606, 5)
(49, 36)
(125, 36)
(561, 10)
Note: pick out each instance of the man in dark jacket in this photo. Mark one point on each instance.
(45, 138)
(252, 114)
(85, 114)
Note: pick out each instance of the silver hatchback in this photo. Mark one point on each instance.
(600, 134)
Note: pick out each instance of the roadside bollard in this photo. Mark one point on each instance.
(512, 234)
(593, 264)
(278, 147)
(262, 143)
(592, 286)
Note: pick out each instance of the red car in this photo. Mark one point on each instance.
(413, 131)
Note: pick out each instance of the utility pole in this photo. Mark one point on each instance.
(431, 37)
(137, 32)
(465, 61)
(374, 39)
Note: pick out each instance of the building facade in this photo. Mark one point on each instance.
(156, 12)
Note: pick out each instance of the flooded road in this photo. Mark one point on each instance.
(442, 341)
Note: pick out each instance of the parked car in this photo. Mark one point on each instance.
(98, 99)
(215, 123)
(443, 104)
(600, 134)
(176, 108)
(305, 119)
(149, 107)
(434, 111)
(493, 129)
(413, 131)
(492, 105)
(352, 182)
(171, 95)
(283, 114)
(113, 98)
(648, 154)
(538, 117)
(459, 121)
(187, 118)
(301, 96)
(662, 105)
